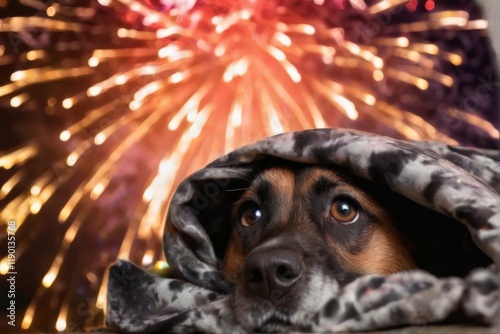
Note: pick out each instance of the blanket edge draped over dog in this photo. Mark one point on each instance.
(458, 182)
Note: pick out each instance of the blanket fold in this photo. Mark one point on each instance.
(454, 192)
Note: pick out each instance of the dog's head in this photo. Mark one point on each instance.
(298, 233)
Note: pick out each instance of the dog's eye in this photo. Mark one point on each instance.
(250, 215)
(344, 212)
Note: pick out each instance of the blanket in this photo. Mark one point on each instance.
(453, 230)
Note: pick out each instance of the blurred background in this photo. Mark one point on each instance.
(106, 105)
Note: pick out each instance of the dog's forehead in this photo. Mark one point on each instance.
(284, 186)
(276, 178)
(310, 177)
(292, 179)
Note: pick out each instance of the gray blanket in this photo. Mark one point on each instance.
(455, 189)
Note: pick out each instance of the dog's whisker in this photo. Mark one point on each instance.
(237, 189)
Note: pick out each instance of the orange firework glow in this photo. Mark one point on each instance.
(139, 93)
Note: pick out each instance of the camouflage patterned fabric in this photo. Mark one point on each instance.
(460, 183)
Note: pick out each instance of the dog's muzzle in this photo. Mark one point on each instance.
(271, 272)
(284, 281)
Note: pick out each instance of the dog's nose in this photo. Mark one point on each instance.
(269, 274)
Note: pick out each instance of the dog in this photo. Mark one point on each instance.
(299, 232)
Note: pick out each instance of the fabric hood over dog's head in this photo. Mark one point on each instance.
(459, 184)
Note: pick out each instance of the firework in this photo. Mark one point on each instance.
(113, 103)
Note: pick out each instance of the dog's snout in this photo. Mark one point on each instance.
(270, 274)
